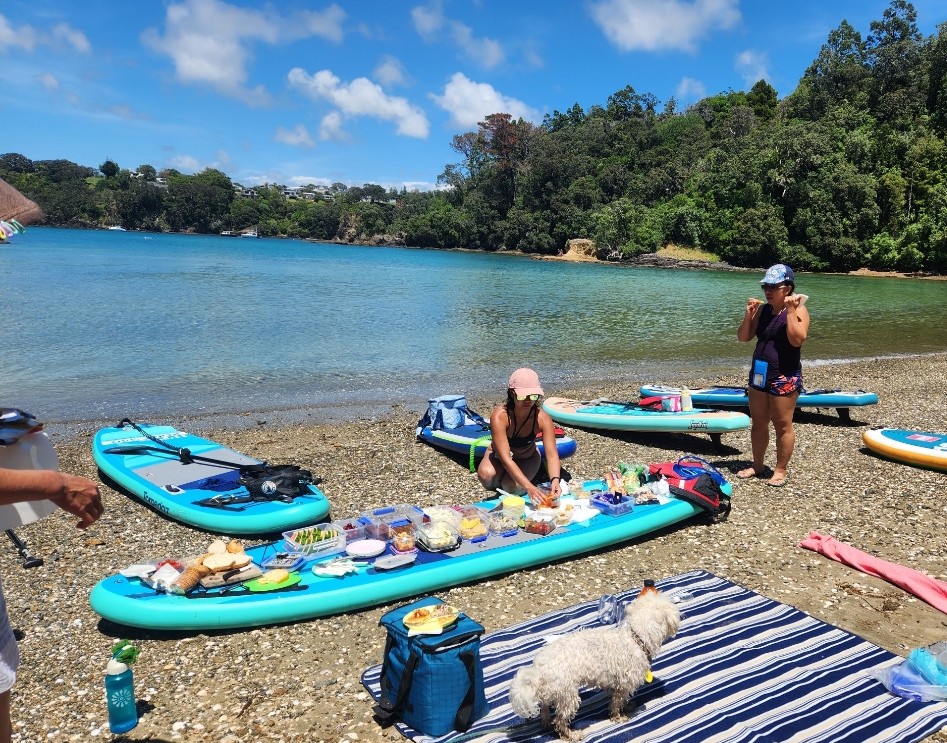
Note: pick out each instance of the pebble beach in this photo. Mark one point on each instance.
(300, 682)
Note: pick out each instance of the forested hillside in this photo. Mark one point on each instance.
(848, 171)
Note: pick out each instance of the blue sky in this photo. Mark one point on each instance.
(369, 91)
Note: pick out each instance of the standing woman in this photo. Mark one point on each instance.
(512, 459)
(780, 326)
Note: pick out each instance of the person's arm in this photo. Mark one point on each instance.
(77, 495)
(751, 318)
(548, 429)
(797, 320)
(499, 420)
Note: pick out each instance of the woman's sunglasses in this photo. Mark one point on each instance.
(771, 287)
(534, 398)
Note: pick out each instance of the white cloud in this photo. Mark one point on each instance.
(185, 163)
(27, 38)
(469, 102)
(752, 66)
(653, 25)
(390, 71)
(209, 41)
(48, 81)
(76, 39)
(429, 20)
(330, 128)
(361, 97)
(297, 137)
(689, 89)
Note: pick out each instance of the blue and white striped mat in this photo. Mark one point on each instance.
(742, 669)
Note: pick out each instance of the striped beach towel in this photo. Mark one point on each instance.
(742, 669)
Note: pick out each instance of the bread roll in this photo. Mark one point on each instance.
(217, 546)
(234, 547)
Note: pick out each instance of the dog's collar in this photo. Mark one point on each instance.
(636, 637)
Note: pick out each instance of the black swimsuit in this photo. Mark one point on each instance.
(520, 444)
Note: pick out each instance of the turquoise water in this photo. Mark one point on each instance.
(101, 325)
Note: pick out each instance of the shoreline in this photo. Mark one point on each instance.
(300, 683)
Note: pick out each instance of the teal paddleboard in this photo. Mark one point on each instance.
(619, 416)
(130, 601)
(169, 470)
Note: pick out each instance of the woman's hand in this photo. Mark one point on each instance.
(753, 306)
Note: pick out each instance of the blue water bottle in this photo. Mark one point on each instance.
(120, 688)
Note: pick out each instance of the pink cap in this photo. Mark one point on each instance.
(525, 382)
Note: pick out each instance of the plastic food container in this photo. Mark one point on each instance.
(374, 528)
(353, 528)
(604, 503)
(438, 536)
(443, 513)
(321, 539)
(473, 523)
(537, 523)
(403, 537)
(390, 514)
(504, 522)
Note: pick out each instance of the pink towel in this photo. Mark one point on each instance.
(928, 589)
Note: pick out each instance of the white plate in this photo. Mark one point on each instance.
(366, 547)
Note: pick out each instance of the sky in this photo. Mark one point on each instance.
(370, 91)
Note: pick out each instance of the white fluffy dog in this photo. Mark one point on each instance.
(616, 658)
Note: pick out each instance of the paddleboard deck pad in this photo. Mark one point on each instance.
(130, 601)
(918, 448)
(620, 416)
(736, 397)
(200, 487)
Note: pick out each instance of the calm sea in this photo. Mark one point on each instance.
(100, 325)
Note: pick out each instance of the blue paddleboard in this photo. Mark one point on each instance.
(198, 493)
(736, 397)
(475, 433)
(129, 601)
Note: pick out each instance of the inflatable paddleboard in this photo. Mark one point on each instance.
(189, 488)
(618, 416)
(474, 434)
(130, 601)
(918, 448)
(736, 397)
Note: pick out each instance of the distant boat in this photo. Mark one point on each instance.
(251, 233)
(116, 228)
(229, 233)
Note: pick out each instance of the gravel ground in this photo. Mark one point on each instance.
(301, 682)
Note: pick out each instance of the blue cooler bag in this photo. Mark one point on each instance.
(433, 683)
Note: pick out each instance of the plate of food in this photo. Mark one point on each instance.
(436, 615)
(273, 580)
(366, 547)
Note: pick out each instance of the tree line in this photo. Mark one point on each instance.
(847, 171)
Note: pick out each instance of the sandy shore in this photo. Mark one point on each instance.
(301, 682)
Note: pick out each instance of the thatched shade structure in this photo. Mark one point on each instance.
(14, 205)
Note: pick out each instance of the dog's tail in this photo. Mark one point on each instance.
(524, 697)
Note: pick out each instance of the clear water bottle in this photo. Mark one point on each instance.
(687, 404)
(120, 688)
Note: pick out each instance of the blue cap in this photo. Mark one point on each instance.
(778, 274)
